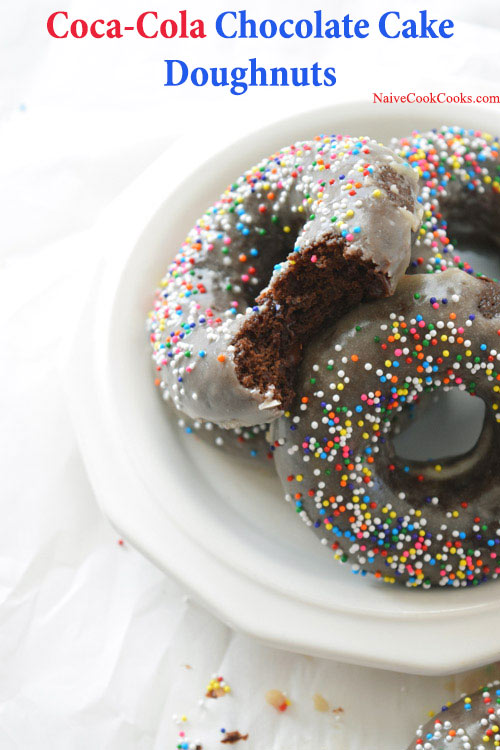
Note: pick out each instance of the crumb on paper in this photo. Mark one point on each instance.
(187, 666)
(338, 710)
(320, 703)
(277, 699)
(217, 687)
(232, 737)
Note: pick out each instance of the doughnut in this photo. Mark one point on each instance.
(422, 523)
(296, 240)
(245, 442)
(459, 175)
(472, 723)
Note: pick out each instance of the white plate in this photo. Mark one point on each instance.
(221, 527)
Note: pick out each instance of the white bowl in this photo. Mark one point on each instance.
(222, 527)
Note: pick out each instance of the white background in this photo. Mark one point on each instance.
(94, 641)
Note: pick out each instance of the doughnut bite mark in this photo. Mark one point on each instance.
(459, 175)
(472, 723)
(297, 239)
(426, 524)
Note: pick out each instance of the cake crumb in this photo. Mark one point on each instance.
(232, 737)
(277, 700)
(217, 687)
(320, 703)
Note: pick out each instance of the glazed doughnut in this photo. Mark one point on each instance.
(295, 241)
(472, 723)
(422, 523)
(459, 174)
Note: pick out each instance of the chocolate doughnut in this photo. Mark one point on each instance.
(459, 174)
(472, 723)
(422, 523)
(295, 241)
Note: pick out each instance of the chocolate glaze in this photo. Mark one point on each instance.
(472, 723)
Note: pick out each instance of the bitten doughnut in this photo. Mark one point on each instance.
(295, 241)
(472, 723)
(425, 524)
(459, 175)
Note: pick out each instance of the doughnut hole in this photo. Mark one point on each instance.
(477, 240)
(450, 447)
(482, 252)
(447, 424)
